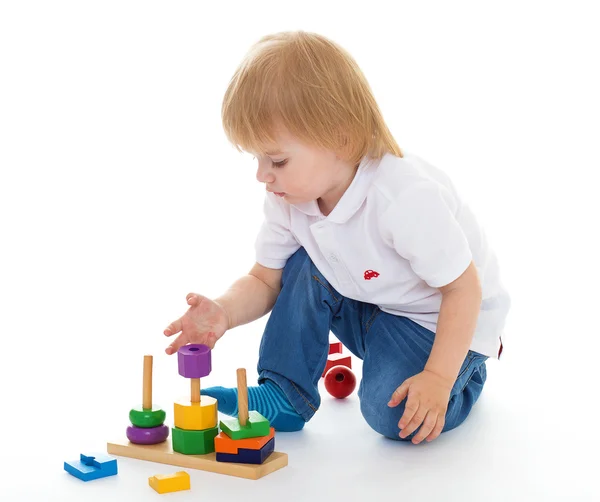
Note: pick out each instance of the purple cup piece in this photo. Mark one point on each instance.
(153, 435)
(194, 360)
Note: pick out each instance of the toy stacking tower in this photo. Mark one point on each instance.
(147, 420)
(248, 439)
(244, 448)
(195, 418)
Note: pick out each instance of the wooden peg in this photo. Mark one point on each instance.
(147, 394)
(242, 396)
(195, 385)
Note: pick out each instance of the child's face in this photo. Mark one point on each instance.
(298, 172)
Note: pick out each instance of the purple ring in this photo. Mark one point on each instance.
(152, 435)
(194, 360)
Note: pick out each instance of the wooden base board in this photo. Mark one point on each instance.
(163, 453)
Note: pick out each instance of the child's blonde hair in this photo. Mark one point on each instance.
(312, 87)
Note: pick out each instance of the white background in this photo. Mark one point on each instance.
(119, 194)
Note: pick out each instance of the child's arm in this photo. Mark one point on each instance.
(249, 298)
(461, 302)
(427, 393)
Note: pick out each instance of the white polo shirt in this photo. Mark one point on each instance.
(399, 232)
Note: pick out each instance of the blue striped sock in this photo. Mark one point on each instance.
(267, 398)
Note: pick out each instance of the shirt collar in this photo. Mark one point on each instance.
(352, 198)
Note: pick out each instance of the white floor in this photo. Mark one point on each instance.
(515, 446)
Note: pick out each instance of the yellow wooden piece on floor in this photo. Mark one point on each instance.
(167, 483)
(196, 416)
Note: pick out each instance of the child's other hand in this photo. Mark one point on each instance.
(204, 322)
(428, 396)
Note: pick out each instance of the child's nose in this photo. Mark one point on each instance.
(264, 175)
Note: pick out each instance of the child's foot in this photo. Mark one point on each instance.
(267, 398)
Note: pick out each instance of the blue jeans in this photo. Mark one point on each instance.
(295, 346)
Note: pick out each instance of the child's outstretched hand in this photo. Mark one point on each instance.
(204, 322)
(428, 396)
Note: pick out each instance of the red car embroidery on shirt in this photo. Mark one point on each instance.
(369, 274)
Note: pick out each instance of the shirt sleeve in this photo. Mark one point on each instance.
(275, 242)
(421, 225)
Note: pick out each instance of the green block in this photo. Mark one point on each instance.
(256, 426)
(194, 442)
(147, 417)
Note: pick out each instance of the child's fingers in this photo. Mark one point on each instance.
(211, 339)
(173, 328)
(428, 425)
(412, 418)
(412, 426)
(192, 299)
(437, 430)
(180, 341)
(398, 395)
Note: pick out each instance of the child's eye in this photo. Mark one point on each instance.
(281, 163)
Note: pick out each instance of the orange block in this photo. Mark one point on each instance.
(224, 444)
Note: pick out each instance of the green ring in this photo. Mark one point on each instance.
(147, 418)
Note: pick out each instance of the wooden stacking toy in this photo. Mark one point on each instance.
(244, 446)
(248, 439)
(147, 420)
(195, 418)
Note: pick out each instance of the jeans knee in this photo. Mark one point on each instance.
(381, 418)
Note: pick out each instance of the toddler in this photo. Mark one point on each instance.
(359, 239)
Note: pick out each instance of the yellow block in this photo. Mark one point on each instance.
(196, 416)
(167, 483)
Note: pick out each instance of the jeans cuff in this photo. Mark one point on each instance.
(298, 401)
